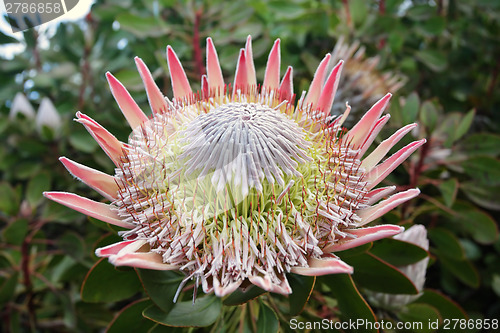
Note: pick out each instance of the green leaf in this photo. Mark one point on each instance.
(482, 144)
(161, 286)
(142, 26)
(32, 146)
(5, 39)
(7, 288)
(285, 9)
(99, 315)
(26, 169)
(58, 213)
(484, 196)
(420, 12)
(36, 186)
(350, 302)
(82, 141)
(429, 115)
(464, 125)
(484, 169)
(239, 297)
(9, 199)
(158, 328)
(203, 312)
(375, 274)
(73, 245)
(434, 26)
(447, 308)
(268, 321)
(104, 283)
(356, 250)
(396, 40)
(446, 243)
(410, 108)
(449, 189)
(302, 287)
(420, 313)
(15, 232)
(129, 78)
(462, 269)
(65, 270)
(397, 252)
(480, 225)
(359, 11)
(495, 284)
(130, 319)
(433, 59)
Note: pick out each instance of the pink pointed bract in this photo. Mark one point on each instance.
(241, 186)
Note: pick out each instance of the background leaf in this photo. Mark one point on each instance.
(161, 286)
(351, 303)
(207, 310)
(104, 283)
(302, 287)
(268, 321)
(377, 275)
(398, 253)
(130, 319)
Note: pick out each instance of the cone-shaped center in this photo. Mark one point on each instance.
(244, 142)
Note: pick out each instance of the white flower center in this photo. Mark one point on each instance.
(244, 142)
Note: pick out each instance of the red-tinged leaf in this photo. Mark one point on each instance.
(446, 306)
(302, 287)
(397, 252)
(104, 283)
(161, 286)
(130, 319)
(356, 250)
(203, 312)
(351, 304)
(375, 274)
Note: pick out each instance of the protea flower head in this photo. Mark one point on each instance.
(362, 82)
(239, 185)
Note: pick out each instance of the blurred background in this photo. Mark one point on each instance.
(440, 58)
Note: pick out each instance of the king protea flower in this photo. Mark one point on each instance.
(362, 82)
(239, 185)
